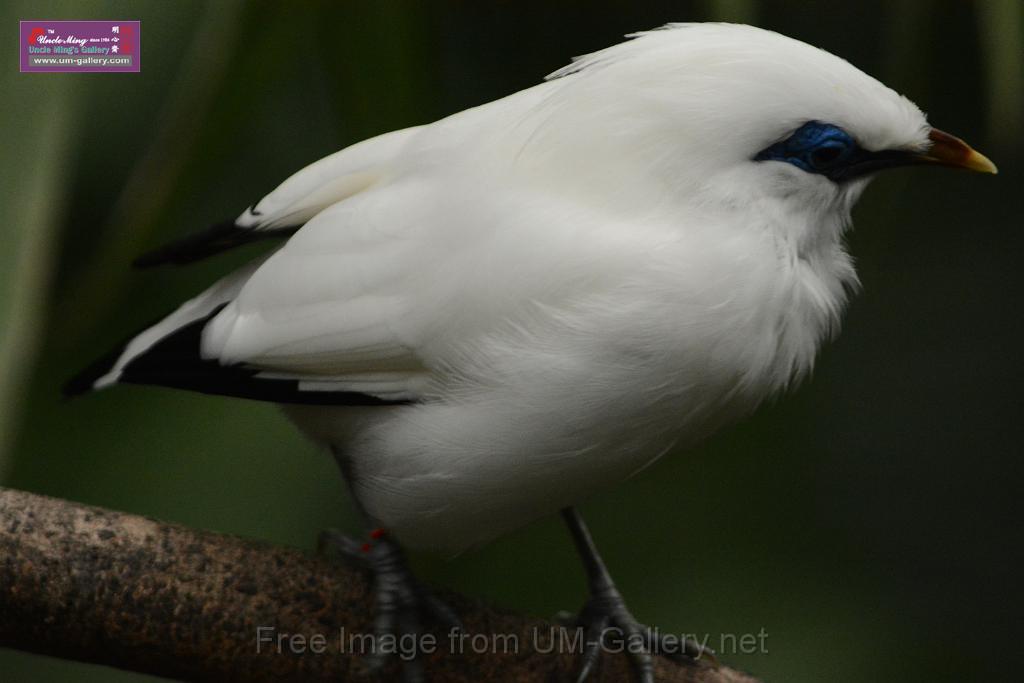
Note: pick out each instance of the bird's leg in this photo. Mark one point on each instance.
(401, 601)
(605, 614)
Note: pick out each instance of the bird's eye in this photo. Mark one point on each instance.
(827, 155)
(815, 147)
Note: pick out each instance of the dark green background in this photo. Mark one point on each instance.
(866, 522)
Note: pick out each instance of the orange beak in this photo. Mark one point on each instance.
(949, 150)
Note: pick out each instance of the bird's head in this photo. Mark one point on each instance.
(733, 114)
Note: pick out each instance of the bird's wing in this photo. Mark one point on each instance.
(356, 307)
(315, 321)
(331, 308)
(373, 370)
(291, 204)
(114, 366)
(325, 319)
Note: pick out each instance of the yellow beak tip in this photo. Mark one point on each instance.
(980, 163)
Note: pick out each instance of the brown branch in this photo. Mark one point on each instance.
(99, 586)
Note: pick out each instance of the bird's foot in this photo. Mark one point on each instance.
(605, 618)
(402, 602)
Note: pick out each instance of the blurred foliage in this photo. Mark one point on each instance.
(36, 134)
(866, 522)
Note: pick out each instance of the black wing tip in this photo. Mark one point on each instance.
(215, 239)
(218, 237)
(85, 381)
(175, 362)
(76, 386)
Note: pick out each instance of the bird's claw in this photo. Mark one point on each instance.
(605, 616)
(401, 602)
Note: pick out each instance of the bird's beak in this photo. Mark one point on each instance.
(949, 150)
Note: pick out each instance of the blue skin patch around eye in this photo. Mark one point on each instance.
(816, 147)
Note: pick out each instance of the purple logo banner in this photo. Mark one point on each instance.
(80, 46)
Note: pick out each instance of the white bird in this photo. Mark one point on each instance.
(494, 316)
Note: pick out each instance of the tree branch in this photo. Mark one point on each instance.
(100, 586)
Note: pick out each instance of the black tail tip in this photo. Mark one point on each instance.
(77, 385)
(85, 381)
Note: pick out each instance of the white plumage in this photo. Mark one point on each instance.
(565, 284)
